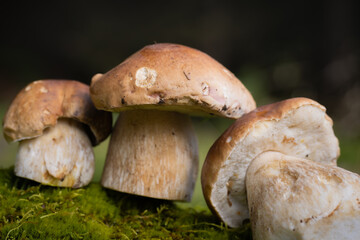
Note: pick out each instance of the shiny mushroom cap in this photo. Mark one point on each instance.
(172, 77)
(40, 104)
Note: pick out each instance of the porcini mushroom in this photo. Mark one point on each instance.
(153, 149)
(296, 127)
(56, 125)
(294, 198)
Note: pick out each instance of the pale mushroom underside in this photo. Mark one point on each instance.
(304, 132)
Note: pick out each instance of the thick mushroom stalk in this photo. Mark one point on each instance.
(152, 153)
(62, 156)
(293, 198)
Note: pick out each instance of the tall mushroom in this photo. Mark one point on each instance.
(56, 125)
(153, 149)
(296, 127)
(294, 198)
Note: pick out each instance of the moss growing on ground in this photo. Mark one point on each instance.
(29, 210)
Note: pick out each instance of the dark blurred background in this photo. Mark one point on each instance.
(279, 49)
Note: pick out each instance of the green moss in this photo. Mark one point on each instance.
(33, 211)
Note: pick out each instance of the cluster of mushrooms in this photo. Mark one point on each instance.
(275, 165)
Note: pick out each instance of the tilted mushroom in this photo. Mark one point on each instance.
(296, 127)
(153, 149)
(56, 125)
(294, 198)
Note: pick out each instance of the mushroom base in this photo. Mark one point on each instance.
(62, 156)
(294, 198)
(154, 154)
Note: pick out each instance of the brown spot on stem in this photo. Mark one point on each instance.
(332, 213)
(289, 140)
(229, 202)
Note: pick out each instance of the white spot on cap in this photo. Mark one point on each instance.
(205, 88)
(145, 77)
(27, 88)
(228, 139)
(43, 90)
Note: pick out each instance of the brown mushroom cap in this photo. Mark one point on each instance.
(40, 104)
(296, 127)
(175, 78)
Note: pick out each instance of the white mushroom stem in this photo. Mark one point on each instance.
(62, 156)
(293, 198)
(152, 153)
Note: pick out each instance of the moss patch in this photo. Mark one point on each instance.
(29, 210)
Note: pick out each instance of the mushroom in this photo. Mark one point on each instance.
(153, 149)
(56, 125)
(294, 198)
(296, 127)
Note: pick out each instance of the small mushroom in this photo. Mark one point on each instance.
(294, 198)
(56, 125)
(296, 127)
(153, 149)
